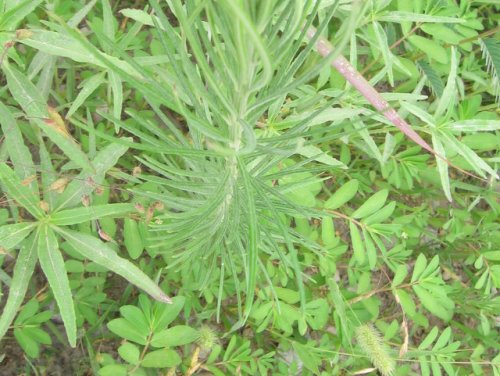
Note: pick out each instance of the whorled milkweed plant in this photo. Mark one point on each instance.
(233, 66)
(227, 157)
(232, 138)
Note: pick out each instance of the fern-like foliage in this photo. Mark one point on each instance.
(491, 52)
(434, 80)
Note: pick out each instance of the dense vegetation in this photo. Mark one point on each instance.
(192, 187)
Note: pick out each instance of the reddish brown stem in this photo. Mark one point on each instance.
(344, 67)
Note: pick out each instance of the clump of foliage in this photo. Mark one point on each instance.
(227, 153)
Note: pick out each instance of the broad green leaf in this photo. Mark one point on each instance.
(132, 238)
(328, 231)
(102, 254)
(130, 353)
(136, 317)
(20, 192)
(380, 215)
(431, 48)
(357, 244)
(33, 103)
(406, 302)
(12, 235)
(342, 195)
(19, 154)
(25, 265)
(114, 370)
(165, 314)
(138, 15)
(164, 358)
(176, 336)
(125, 329)
(419, 267)
(399, 275)
(432, 303)
(371, 205)
(443, 32)
(310, 360)
(89, 213)
(52, 264)
(27, 343)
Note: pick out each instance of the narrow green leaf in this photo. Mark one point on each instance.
(19, 191)
(85, 214)
(429, 339)
(442, 166)
(33, 103)
(448, 98)
(87, 88)
(23, 270)
(12, 235)
(58, 44)
(117, 90)
(14, 15)
(310, 151)
(86, 182)
(52, 264)
(357, 244)
(101, 254)
(475, 125)
(400, 16)
(18, 152)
